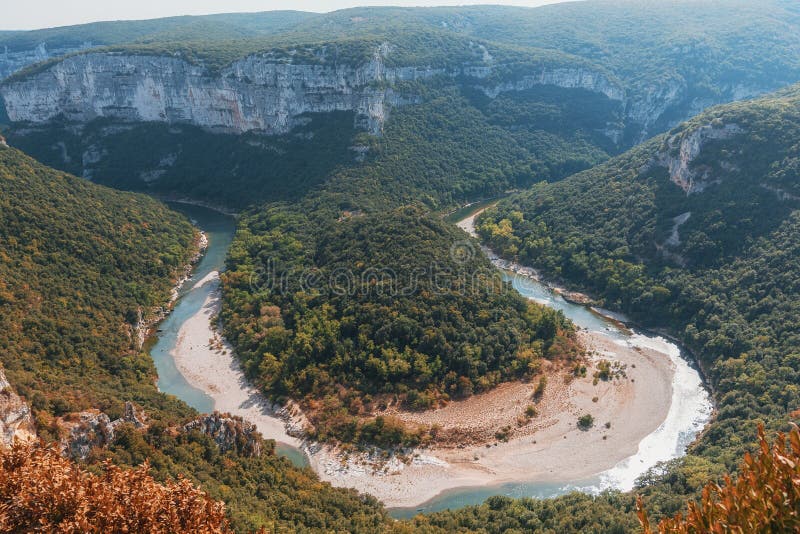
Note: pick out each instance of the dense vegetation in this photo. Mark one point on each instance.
(77, 263)
(321, 310)
(454, 146)
(228, 26)
(764, 498)
(188, 162)
(727, 286)
(44, 492)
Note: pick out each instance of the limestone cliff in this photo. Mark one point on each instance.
(228, 432)
(655, 108)
(91, 429)
(11, 62)
(259, 92)
(16, 421)
(681, 150)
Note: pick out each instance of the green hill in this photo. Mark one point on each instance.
(696, 231)
(77, 263)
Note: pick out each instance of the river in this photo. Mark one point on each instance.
(690, 409)
(219, 229)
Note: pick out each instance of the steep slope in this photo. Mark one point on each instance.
(552, 80)
(454, 144)
(696, 231)
(79, 266)
(268, 91)
(24, 48)
(673, 59)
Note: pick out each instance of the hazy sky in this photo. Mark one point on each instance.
(30, 14)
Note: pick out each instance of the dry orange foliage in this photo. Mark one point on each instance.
(42, 492)
(765, 497)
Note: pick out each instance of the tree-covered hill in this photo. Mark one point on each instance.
(322, 311)
(77, 263)
(214, 27)
(695, 231)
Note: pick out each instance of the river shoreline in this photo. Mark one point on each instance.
(208, 363)
(550, 449)
(547, 449)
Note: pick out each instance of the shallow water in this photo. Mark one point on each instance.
(220, 229)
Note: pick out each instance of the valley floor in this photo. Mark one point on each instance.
(548, 448)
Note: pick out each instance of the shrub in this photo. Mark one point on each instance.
(41, 491)
(585, 422)
(764, 498)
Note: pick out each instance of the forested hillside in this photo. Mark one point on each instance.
(321, 311)
(77, 264)
(695, 231)
(567, 86)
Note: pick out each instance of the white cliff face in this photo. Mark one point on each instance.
(675, 99)
(11, 62)
(16, 421)
(652, 104)
(682, 149)
(254, 93)
(568, 78)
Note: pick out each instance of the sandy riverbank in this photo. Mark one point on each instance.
(550, 448)
(208, 363)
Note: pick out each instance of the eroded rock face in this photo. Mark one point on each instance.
(256, 93)
(94, 429)
(11, 62)
(16, 421)
(682, 149)
(229, 433)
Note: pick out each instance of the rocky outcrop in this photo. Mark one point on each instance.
(257, 93)
(94, 429)
(16, 421)
(681, 150)
(86, 431)
(229, 432)
(568, 78)
(11, 62)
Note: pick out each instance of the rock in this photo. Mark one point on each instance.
(94, 429)
(132, 415)
(260, 92)
(11, 62)
(681, 150)
(16, 421)
(85, 431)
(229, 432)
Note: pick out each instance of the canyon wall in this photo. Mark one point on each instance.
(255, 93)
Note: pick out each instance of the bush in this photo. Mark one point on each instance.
(41, 491)
(585, 422)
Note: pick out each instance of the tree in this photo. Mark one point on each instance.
(764, 498)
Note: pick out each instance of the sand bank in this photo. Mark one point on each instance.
(548, 448)
(207, 362)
